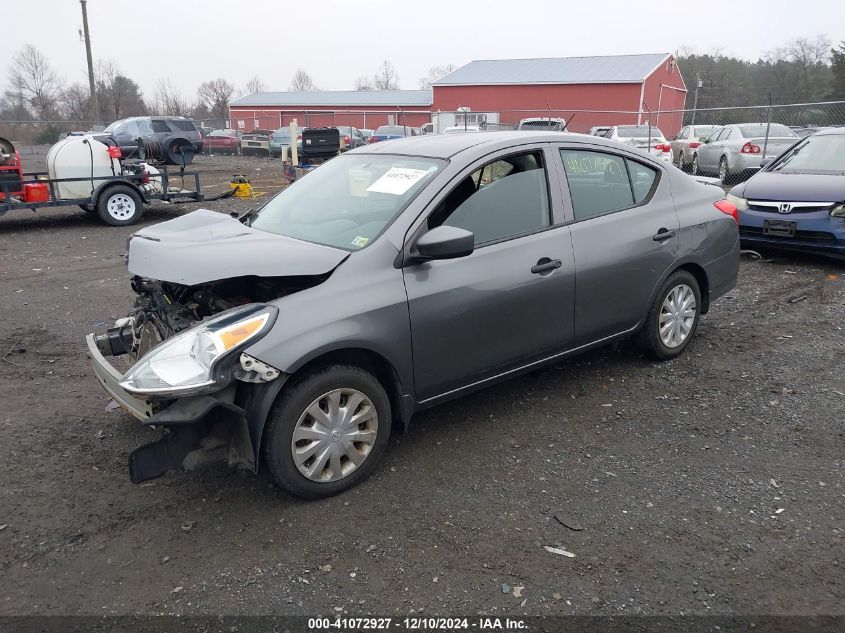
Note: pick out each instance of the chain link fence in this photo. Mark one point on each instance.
(799, 116)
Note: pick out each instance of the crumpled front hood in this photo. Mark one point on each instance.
(205, 246)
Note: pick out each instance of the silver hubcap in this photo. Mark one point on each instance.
(121, 207)
(723, 170)
(695, 165)
(334, 435)
(677, 315)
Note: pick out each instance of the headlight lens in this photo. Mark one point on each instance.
(838, 211)
(740, 203)
(189, 363)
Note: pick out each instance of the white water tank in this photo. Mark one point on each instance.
(80, 157)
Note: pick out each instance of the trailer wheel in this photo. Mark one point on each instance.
(120, 206)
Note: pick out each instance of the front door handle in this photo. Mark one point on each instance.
(546, 265)
(663, 234)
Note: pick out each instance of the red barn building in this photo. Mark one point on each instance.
(605, 90)
(359, 108)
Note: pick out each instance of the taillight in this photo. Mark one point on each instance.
(373, 139)
(694, 144)
(750, 148)
(114, 152)
(347, 140)
(662, 147)
(145, 177)
(728, 208)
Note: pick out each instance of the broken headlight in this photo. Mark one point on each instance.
(192, 361)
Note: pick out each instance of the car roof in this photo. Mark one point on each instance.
(827, 131)
(448, 145)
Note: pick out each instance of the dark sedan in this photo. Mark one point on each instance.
(798, 200)
(398, 276)
(390, 132)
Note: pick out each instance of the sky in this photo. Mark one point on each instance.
(336, 41)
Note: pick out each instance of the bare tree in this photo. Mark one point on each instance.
(435, 73)
(302, 82)
(214, 95)
(363, 83)
(32, 76)
(119, 96)
(255, 85)
(169, 100)
(76, 103)
(386, 77)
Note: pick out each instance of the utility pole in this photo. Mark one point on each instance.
(698, 84)
(91, 83)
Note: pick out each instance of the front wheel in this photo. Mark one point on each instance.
(695, 170)
(120, 206)
(327, 431)
(673, 317)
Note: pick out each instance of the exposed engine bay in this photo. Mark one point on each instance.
(163, 309)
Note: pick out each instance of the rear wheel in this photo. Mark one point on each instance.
(120, 206)
(673, 317)
(724, 174)
(695, 170)
(327, 431)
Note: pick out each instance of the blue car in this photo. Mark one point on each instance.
(797, 201)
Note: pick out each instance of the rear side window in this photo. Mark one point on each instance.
(601, 183)
(642, 180)
(183, 126)
(160, 126)
(505, 198)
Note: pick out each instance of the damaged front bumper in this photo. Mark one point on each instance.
(200, 430)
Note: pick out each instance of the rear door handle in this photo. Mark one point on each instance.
(546, 265)
(663, 234)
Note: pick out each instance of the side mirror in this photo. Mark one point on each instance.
(444, 242)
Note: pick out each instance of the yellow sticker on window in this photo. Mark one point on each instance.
(360, 242)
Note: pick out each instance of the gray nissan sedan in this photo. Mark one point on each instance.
(396, 277)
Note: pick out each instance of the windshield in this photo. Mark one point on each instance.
(348, 201)
(543, 125)
(391, 129)
(281, 134)
(637, 131)
(701, 132)
(111, 129)
(814, 155)
(223, 133)
(751, 130)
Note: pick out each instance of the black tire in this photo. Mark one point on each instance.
(292, 404)
(723, 165)
(650, 334)
(695, 170)
(121, 213)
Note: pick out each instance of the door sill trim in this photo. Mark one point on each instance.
(521, 368)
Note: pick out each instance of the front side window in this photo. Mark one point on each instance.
(505, 198)
(348, 201)
(601, 183)
(682, 134)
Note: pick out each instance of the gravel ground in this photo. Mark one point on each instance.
(712, 484)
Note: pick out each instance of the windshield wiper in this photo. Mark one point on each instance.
(246, 218)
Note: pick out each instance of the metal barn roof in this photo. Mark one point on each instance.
(344, 98)
(555, 70)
